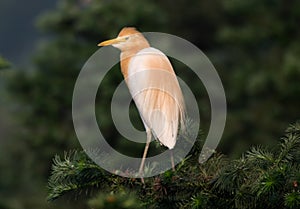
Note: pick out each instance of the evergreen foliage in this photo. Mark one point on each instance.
(3, 63)
(261, 178)
(255, 47)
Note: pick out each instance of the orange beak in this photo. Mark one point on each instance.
(112, 41)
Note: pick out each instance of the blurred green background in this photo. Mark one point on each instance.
(254, 45)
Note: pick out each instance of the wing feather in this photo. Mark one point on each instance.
(156, 92)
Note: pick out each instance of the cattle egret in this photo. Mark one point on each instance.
(153, 86)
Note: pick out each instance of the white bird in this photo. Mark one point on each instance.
(154, 88)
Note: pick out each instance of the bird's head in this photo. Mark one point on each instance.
(128, 39)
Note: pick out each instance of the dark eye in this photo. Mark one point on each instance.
(126, 38)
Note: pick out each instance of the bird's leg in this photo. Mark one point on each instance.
(141, 170)
(172, 160)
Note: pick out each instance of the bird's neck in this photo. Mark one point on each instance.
(124, 65)
(127, 55)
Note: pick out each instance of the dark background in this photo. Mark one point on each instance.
(253, 44)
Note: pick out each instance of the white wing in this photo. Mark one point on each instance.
(157, 94)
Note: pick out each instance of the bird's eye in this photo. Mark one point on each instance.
(126, 38)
